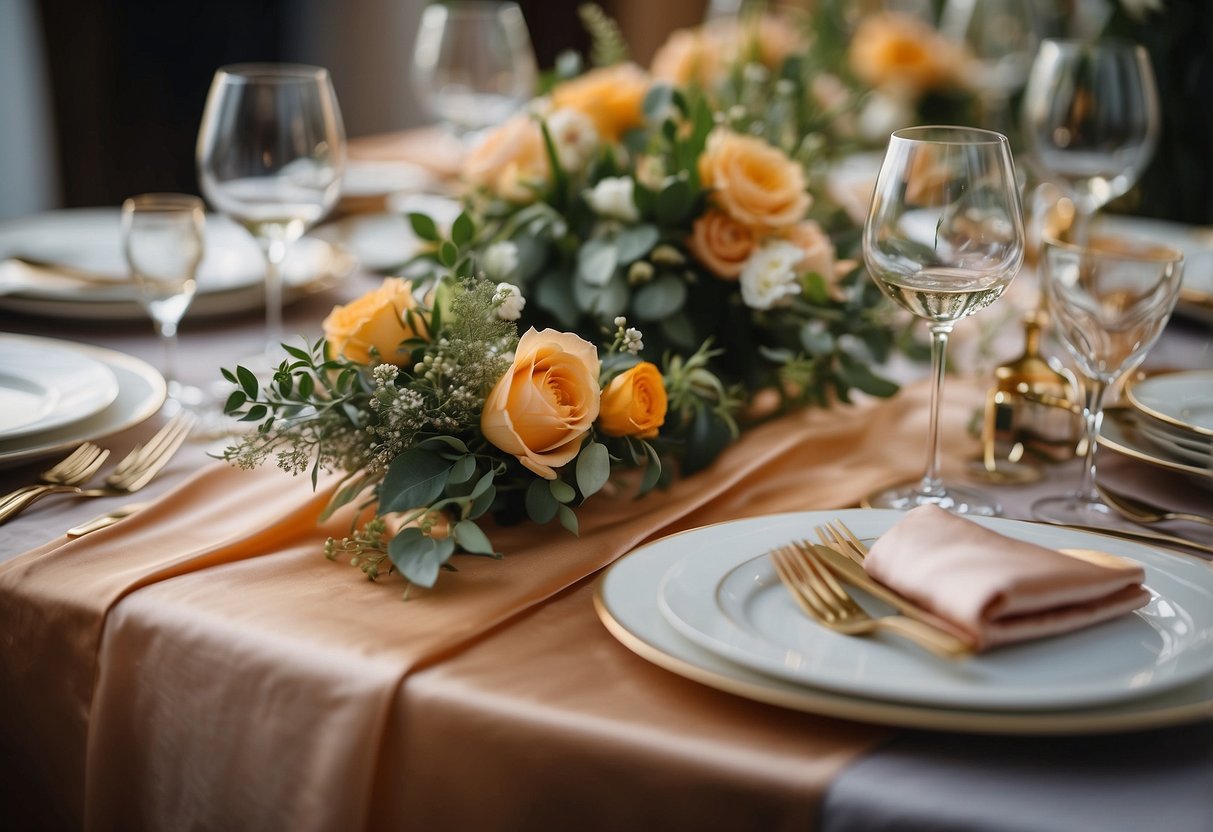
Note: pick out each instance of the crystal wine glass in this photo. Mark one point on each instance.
(473, 64)
(271, 152)
(1109, 302)
(163, 239)
(944, 238)
(1091, 119)
(1003, 36)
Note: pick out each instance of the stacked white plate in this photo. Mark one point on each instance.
(707, 604)
(57, 394)
(1175, 413)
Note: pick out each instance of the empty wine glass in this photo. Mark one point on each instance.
(1003, 36)
(271, 152)
(1090, 119)
(473, 64)
(944, 238)
(163, 239)
(1109, 302)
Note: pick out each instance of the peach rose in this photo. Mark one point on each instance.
(721, 243)
(771, 40)
(544, 404)
(689, 56)
(634, 403)
(901, 52)
(818, 249)
(612, 97)
(510, 162)
(756, 183)
(377, 319)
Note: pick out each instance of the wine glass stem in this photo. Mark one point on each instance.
(1092, 416)
(275, 256)
(932, 482)
(168, 339)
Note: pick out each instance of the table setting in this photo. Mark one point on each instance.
(563, 464)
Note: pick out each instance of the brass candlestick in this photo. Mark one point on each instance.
(1029, 415)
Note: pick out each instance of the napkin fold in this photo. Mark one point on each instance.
(994, 589)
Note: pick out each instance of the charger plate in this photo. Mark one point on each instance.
(627, 601)
(47, 384)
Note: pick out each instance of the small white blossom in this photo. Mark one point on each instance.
(613, 197)
(769, 276)
(500, 260)
(509, 301)
(883, 114)
(621, 321)
(574, 137)
(633, 340)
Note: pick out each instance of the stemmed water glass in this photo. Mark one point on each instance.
(944, 238)
(1109, 302)
(163, 239)
(271, 152)
(473, 64)
(1003, 36)
(1090, 119)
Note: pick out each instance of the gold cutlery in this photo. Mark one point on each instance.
(1143, 535)
(106, 520)
(64, 271)
(823, 599)
(1139, 511)
(131, 474)
(74, 469)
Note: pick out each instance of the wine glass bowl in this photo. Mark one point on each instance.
(473, 64)
(1108, 301)
(271, 153)
(943, 239)
(1091, 118)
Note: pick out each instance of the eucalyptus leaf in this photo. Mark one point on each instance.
(674, 203)
(635, 242)
(816, 340)
(453, 442)
(419, 558)
(660, 298)
(652, 470)
(462, 470)
(541, 506)
(605, 302)
(562, 491)
(483, 484)
(858, 375)
(481, 502)
(554, 294)
(657, 101)
(414, 479)
(597, 261)
(471, 539)
(568, 519)
(593, 468)
(350, 488)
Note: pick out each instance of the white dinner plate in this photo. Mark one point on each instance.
(1182, 400)
(1119, 432)
(230, 277)
(1196, 243)
(1198, 451)
(626, 599)
(363, 178)
(141, 391)
(46, 384)
(728, 598)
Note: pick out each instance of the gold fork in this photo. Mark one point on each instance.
(843, 539)
(131, 474)
(74, 469)
(824, 599)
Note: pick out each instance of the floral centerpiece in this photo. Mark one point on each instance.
(643, 267)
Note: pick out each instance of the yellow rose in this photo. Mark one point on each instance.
(634, 403)
(612, 97)
(511, 162)
(902, 53)
(544, 404)
(754, 182)
(721, 243)
(377, 319)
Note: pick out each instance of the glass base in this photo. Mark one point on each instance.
(1072, 510)
(956, 499)
(1003, 472)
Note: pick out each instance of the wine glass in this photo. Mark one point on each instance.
(163, 238)
(473, 64)
(1003, 36)
(1090, 119)
(944, 238)
(1109, 302)
(271, 152)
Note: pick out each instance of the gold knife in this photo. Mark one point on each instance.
(854, 574)
(105, 520)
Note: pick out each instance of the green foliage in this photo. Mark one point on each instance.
(609, 46)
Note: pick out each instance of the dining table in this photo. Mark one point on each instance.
(202, 665)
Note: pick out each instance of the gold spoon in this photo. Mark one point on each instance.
(1140, 511)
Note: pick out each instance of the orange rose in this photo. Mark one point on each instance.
(817, 247)
(771, 40)
(634, 403)
(544, 404)
(612, 97)
(721, 243)
(756, 183)
(377, 319)
(901, 52)
(689, 56)
(511, 162)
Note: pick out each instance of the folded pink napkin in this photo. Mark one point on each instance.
(995, 589)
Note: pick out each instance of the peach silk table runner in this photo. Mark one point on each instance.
(201, 665)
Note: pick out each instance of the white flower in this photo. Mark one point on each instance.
(769, 275)
(509, 302)
(612, 197)
(633, 340)
(574, 137)
(883, 113)
(500, 260)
